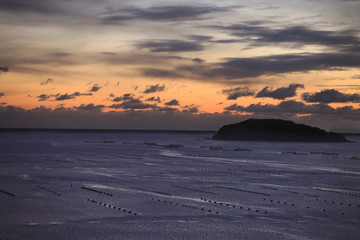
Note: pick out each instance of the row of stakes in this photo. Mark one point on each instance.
(185, 206)
(242, 190)
(113, 207)
(294, 192)
(228, 205)
(195, 190)
(268, 171)
(215, 171)
(273, 171)
(152, 191)
(339, 172)
(48, 190)
(343, 193)
(97, 191)
(305, 194)
(278, 201)
(340, 203)
(292, 204)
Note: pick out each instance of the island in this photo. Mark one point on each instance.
(275, 130)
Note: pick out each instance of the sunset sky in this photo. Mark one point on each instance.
(192, 65)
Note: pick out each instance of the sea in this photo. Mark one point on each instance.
(123, 184)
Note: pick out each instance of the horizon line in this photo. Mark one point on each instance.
(99, 130)
(120, 130)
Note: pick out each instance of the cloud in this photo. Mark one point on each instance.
(200, 38)
(191, 110)
(279, 64)
(153, 99)
(165, 109)
(70, 96)
(159, 73)
(137, 104)
(234, 93)
(34, 6)
(297, 35)
(2, 94)
(90, 107)
(133, 104)
(61, 97)
(279, 93)
(198, 60)
(330, 96)
(49, 80)
(3, 69)
(139, 58)
(44, 97)
(344, 119)
(124, 97)
(60, 54)
(292, 108)
(173, 102)
(171, 46)
(160, 13)
(245, 68)
(154, 88)
(95, 88)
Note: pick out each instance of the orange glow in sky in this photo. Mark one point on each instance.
(192, 62)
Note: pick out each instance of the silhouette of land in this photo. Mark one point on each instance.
(275, 130)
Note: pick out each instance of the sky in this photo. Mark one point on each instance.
(179, 65)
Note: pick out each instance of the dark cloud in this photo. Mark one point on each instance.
(279, 93)
(133, 104)
(62, 97)
(44, 97)
(154, 88)
(137, 104)
(124, 97)
(278, 64)
(191, 110)
(90, 107)
(33, 6)
(298, 35)
(153, 99)
(293, 108)
(173, 102)
(3, 69)
(200, 38)
(165, 109)
(340, 119)
(356, 77)
(49, 80)
(245, 68)
(2, 94)
(137, 58)
(330, 96)
(108, 53)
(65, 97)
(95, 88)
(159, 73)
(198, 60)
(171, 46)
(234, 93)
(160, 13)
(60, 54)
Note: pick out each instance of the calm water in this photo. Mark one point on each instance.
(175, 185)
